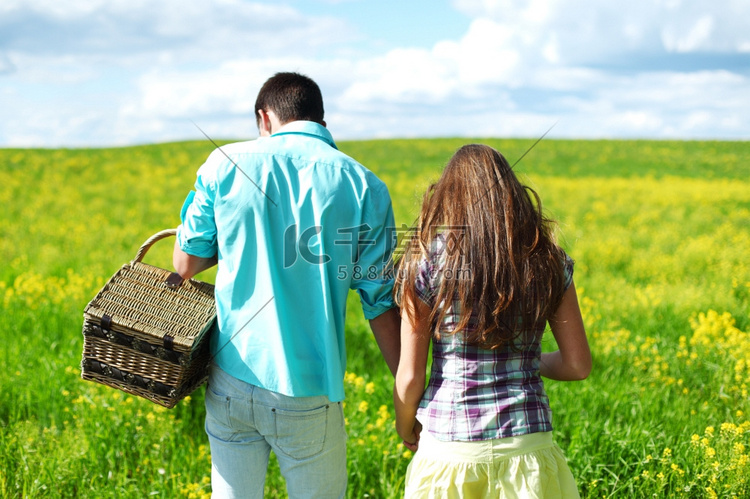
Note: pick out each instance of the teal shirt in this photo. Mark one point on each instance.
(296, 224)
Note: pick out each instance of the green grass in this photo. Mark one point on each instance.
(660, 232)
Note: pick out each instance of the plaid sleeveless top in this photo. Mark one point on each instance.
(480, 394)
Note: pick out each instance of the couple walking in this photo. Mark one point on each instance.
(294, 225)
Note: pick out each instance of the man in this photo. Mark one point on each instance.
(294, 224)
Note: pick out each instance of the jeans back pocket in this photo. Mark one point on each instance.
(301, 434)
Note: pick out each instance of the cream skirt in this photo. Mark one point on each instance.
(527, 467)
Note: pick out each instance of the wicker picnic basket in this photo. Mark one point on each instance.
(146, 331)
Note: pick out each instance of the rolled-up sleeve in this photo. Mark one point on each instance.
(375, 289)
(196, 235)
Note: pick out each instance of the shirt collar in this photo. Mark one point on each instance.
(307, 128)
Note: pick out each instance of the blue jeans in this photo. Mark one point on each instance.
(245, 422)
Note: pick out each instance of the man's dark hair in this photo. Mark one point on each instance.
(292, 96)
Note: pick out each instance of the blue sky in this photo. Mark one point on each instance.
(119, 72)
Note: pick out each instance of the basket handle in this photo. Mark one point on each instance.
(150, 242)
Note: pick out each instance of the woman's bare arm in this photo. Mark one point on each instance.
(572, 360)
(410, 376)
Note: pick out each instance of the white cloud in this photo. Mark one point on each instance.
(587, 30)
(185, 31)
(452, 71)
(401, 75)
(484, 54)
(694, 38)
(125, 71)
(6, 66)
(669, 105)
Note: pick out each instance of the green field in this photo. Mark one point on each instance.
(660, 232)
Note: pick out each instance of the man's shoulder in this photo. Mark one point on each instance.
(227, 150)
(369, 177)
(221, 158)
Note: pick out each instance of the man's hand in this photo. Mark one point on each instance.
(415, 434)
(189, 265)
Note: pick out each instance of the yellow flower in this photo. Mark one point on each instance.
(370, 388)
(728, 427)
(363, 406)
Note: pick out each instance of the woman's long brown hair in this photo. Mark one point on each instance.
(500, 262)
